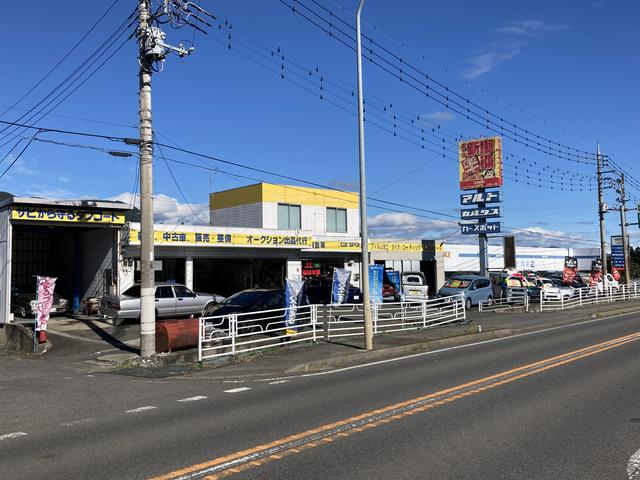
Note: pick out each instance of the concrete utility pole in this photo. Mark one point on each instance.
(364, 237)
(601, 212)
(623, 231)
(147, 274)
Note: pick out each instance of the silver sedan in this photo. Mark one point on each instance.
(172, 300)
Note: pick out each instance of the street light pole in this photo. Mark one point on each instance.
(601, 212)
(364, 237)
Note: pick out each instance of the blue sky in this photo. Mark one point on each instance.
(567, 72)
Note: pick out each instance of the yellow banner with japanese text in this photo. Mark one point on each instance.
(66, 215)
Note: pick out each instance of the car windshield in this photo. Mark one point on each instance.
(133, 291)
(245, 298)
(457, 283)
(412, 280)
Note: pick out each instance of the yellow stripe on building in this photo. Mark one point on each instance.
(271, 193)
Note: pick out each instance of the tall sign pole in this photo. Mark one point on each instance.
(364, 237)
(601, 212)
(481, 168)
(147, 274)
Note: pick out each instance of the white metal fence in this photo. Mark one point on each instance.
(348, 320)
(518, 297)
(580, 297)
(246, 332)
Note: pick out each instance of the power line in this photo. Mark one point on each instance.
(64, 57)
(19, 155)
(467, 109)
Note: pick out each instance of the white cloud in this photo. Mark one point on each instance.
(170, 211)
(514, 36)
(345, 184)
(439, 116)
(531, 28)
(407, 226)
(485, 62)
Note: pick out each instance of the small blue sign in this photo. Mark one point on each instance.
(475, 213)
(480, 197)
(476, 228)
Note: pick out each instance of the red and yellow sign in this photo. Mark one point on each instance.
(481, 163)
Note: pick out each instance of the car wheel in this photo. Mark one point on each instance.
(467, 303)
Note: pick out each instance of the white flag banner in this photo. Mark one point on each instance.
(46, 286)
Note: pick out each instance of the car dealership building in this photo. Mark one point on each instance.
(258, 236)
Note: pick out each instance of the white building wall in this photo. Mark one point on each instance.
(244, 216)
(465, 258)
(5, 266)
(313, 219)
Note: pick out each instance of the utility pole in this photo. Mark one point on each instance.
(601, 212)
(623, 231)
(364, 237)
(152, 49)
(147, 274)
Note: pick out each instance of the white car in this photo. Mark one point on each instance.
(555, 290)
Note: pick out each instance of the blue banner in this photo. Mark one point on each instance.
(340, 286)
(293, 292)
(376, 273)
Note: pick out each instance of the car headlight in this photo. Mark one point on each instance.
(33, 303)
(63, 301)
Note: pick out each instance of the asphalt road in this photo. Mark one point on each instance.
(548, 405)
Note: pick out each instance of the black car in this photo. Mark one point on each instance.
(24, 302)
(252, 302)
(318, 291)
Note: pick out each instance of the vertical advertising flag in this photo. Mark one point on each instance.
(570, 270)
(480, 163)
(376, 273)
(293, 294)
(340, 286)
(615, 273)
(46, 286)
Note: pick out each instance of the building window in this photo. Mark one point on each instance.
(288, 216)
(336, 220)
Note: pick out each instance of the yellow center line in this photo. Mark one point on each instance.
(471, 388)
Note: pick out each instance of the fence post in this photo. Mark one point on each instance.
(580, 295)
(233, 330)
(464, 308)
(561, 300)
(541, 300)
(314, 321)
(200, 336)
(326, 323)
(374, 314)
(424, 313)
(635, 290)
(597, 287)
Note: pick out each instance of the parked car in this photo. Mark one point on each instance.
(554, 289)
(414, 286)
(171, 300)
(318, 291)
(24, 302)
(255, 302)
(474, 288)
(389, 293)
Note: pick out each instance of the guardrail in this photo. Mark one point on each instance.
(246, 332)
(579, 297)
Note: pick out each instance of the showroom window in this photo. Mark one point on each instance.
(288, 216)
(336, 220)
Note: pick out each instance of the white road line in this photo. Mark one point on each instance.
(7, 436)
(141, 409)
(237, 390)
(278, 382)
(633, 467)
(193, 399)
(457, 347)
(77, 422)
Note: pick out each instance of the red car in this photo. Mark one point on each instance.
(389, 293)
